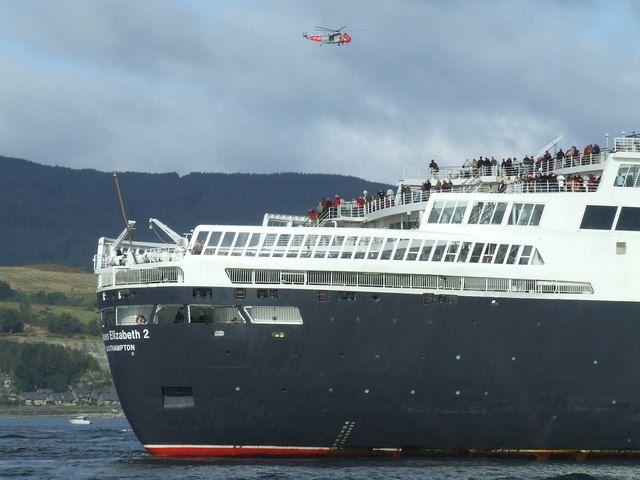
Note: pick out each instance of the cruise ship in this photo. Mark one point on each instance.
(498, 315)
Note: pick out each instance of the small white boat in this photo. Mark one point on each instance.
(81, 420)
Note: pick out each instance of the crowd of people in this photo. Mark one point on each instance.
(528, 175)
(547, 162)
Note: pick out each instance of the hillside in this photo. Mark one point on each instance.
(42, 295)
(56, 214)
(51, 290)
(33, 278)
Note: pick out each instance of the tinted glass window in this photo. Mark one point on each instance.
(598, 217)
(629, 219)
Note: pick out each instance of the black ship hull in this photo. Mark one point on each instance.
(382, 373)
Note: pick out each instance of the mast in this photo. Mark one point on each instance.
(124, 215)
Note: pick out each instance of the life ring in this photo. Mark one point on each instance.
(141, 320)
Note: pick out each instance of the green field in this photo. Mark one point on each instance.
(36, 282)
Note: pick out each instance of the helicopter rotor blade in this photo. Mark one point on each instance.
(330, 29)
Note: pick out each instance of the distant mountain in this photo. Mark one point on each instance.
(56, 214)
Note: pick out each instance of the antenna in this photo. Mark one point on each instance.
(124, 215)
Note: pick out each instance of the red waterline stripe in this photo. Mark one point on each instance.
(230, 451)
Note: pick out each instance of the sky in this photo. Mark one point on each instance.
(232, 86)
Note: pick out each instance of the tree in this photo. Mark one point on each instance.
(26, 313)
(64, 323)
(5, 290)
(40, 365)
(10, 321)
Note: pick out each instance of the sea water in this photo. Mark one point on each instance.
(52, 448)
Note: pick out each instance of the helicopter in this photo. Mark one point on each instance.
(330, 36)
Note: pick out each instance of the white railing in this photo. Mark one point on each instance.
(404, 281)
(128, 276)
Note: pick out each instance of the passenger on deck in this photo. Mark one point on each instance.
(179, 318)
(368, 198)
(586, 154)
(335, 207)
(407, 194)
(466, 168)
(434, 167)
(426, 190)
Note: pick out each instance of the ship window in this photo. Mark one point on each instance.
(464, 251)
(536, 215)
(447, 212)
(438, 252)
(388, 248)
(177, 397)
(452, 251)
(275, 315)
(502, 253)
(477, 251)
(337, 242)
(349, 296)
(309, 245)
(199, 243)
(458, 214)
(513, 254)
(537, 258)
(202, 292)
(323, 244)
(241, 240)
(255, 240)
(127, 314)
(526, 255)
(375, 248)
(269, 240)
(283, 240)
(267, 245)
(426, 250)
(628, 176)
(227, 239)
(214, 239)
(629, 219)
(489, 253)
(526, 214)
(215, 314)
(498, 215)
(253, 245)
(281, 245)
(598, 217)
(170, 314)
(476, 210)
(361, 247)
(487, 213)
(108, 317)
(402, 249)
(414, 249)
(436, 210)
(311, 241)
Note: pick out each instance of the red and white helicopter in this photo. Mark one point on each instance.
(330, 36)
